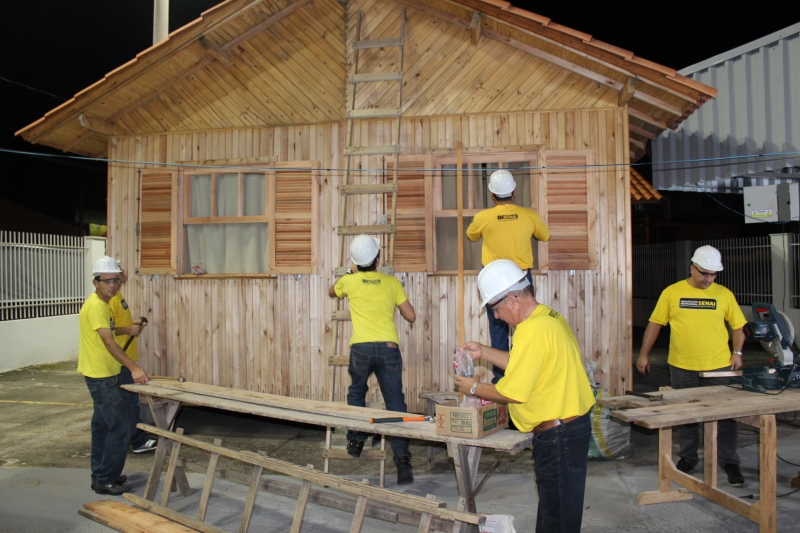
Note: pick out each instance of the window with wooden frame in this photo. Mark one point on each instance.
(240, 221)
(427, 214)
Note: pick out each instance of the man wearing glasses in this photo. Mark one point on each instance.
(696, 310)
(100, 359)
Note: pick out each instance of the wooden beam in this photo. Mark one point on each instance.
(215, 51)
(644, 117)
(97, 124)
(67, 147)
(229, 162)
(475, 27)
(563, 63)
(258, 28)
(627, 91)
(638, 144)
(658, 103)
(641, 131)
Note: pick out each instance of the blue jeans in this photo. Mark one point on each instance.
(561, 456)
(111, 430)
(498, 335)
(382, 358)
(138, 437)
(689, 435)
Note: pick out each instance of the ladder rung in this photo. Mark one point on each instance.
(377, 112)
(341, 360)
(378, 43)
(375, 76)
(373, 150)
(375, 188)
(341, 271)
(341, 315)
(379, 229)
(341, 453)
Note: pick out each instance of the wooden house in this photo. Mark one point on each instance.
(226, 146)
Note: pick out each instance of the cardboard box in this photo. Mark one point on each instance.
(470, 422)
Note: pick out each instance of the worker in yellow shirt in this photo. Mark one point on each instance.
(546, 390)
(127, 329)
(506, 230)
(99, 360)
(375, 345)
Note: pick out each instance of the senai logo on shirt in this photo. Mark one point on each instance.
(698, 303)
(507, 217)
(371, 281)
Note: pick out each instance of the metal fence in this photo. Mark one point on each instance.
(794, 253)
(40, 275)
(747, 273)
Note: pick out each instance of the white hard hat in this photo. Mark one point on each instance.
(498, 278)
(708, 257)
(105, 265)
(501, 183)
(364, 249)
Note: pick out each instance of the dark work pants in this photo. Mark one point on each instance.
(561, 457)
(689, 435)
(138, 437)
(111, 431)
(385, 361)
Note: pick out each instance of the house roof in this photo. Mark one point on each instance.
(641, 190)
(247, 63)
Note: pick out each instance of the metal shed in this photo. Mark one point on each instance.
(757, 111)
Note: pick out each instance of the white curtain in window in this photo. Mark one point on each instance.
(229, 248)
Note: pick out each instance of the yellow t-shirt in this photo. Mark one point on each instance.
(94, 359)
(122, 318)
(545, 372)
(373, 297)
(698, 338)
(506, 230)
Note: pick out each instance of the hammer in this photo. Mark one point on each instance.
(422, 418)
(142, 320)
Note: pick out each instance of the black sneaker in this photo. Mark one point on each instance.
(354, 447)
(119, 481)
(404, 474)
(148, 446)
(684, 466)
(112, 488)
(735, 477)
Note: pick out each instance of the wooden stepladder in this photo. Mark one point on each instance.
(354, 185)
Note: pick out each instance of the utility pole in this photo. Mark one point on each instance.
(160, 20)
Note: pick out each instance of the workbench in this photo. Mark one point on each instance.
(165, 397)
(707, 405)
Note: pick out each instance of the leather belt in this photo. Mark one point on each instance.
(550, 424)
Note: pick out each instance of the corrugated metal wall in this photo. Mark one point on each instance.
(757, 111)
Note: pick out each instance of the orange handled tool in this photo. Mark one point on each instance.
(421, 418)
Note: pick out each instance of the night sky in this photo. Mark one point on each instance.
(58, 47)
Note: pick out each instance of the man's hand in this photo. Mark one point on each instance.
(643, 364)
(475, 350)
(465, 383)
(736, 361)
(139, 375)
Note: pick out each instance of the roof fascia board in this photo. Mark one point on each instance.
(741, 50)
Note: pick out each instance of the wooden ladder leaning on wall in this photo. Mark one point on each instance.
(349, 188)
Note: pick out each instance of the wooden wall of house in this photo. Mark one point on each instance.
(274, 335)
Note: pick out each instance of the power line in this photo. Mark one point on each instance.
(32, 88)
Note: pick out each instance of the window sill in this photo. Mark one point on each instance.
(227, 276)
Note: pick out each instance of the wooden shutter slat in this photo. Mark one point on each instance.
(157, 230)
(294, 239)
(412, 241)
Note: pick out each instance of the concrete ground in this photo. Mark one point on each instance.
(44, 467)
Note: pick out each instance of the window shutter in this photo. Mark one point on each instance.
(413, 240)
(158, 199)
(566, 204)
(295, 224)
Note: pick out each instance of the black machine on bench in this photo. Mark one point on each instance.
(776, 333)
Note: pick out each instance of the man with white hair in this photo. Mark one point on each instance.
(99, 360)
(375, 345)
(546, 390)
(506, 230)
(696, 310)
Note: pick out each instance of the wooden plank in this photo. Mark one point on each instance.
(767, 482)
(379, 229)
(173, 464)
(97, 124)
(123, 517)
(626, 92)
(302, 502)
(710, 454)
(377, 188)
(375, 76)
(375, 112)
(377, 43)
(252, 492)
(358, 514)
(209, 482)
(370, 150)
(106, 521)
(240, 161)
(172, 515)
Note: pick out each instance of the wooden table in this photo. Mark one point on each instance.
(165, 397)
(707, 405)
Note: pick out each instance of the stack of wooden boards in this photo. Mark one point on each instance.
(157, 517)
